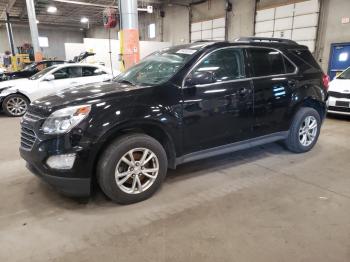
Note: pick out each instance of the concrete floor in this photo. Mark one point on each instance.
(262, 204)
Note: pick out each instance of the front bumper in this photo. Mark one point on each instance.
(74, 187)
(74, 182)
(333, 108)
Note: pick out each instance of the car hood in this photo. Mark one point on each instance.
(16, 84)
(340, 85)
(85, 94)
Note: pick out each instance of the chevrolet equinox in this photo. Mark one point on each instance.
(177, 105)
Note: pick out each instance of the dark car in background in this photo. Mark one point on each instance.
(181, 104)
(30, 70)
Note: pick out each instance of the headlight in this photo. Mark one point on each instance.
(63, 120)
(2, 89)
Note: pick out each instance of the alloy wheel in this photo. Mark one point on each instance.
(17, 106)
(137, 170)
(308, 131)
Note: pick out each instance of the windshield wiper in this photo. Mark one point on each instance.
(125, 82)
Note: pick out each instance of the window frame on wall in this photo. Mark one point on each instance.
(297, 20)
(213, 29)
(152, 30)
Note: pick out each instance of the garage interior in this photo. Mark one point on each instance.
(259, 204)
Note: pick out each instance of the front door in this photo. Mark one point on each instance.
(217, 101)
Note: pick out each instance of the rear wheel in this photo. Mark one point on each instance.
(304, 131)
(15, 105)
(132, 168)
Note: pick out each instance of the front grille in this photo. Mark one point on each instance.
(339, 95)
(28, 138)
(31, 117)
(340, 109)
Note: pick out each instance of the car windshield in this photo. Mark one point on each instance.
(42, 73)
(156, 68)
(345, 74)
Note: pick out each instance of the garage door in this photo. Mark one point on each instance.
(298, 21)
(208, 30)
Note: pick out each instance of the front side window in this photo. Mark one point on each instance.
(61, 74)
(266, 62)
(224, 65)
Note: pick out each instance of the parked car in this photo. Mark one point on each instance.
(339, 94)
(30, 70)
(182, 104)
(16, 95)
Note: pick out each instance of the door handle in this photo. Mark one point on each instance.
(292, 83)
(243, 91)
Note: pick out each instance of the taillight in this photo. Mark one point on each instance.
(325, 80)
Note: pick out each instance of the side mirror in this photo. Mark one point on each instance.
(49, 78)
(200, 78)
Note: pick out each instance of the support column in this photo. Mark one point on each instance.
(34, 29)
(129, 34)
(10, 34)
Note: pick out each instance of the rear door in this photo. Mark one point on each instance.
(274, 80)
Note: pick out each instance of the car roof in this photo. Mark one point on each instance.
(245, 41)
(78, 64)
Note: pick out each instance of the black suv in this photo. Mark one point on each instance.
(178, 105)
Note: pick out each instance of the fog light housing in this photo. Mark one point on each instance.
(65, 161)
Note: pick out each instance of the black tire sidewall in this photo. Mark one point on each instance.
(302, 114)
(4, 104)
(110, 159)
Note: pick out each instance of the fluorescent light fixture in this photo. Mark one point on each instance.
(52, 9)
(84, 20)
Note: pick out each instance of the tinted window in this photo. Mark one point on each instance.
(306, 57)
(74, 71)
(225, 64)
(290, 68)
(266, 62)
(92, 71)
(61, 74)
(68, 72)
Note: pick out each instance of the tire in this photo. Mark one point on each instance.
(299, 132)
(15, 105)
(111, 167)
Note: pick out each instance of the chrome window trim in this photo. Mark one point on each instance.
(296, 69)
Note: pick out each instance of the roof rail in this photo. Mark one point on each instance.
(266, 39)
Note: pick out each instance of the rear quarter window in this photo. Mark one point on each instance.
(305, 60)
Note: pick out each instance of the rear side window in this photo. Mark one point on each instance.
(265, 62)
(92, 71)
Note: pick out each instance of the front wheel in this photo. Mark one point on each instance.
(15, 105)
(304, 131)
(132, 168)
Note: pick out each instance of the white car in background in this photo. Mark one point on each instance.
(16, 95)
(339, 94)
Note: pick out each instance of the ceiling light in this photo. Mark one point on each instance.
(37, 21)
(84, 20)
(52, 9)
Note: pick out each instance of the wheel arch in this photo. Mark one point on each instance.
(151, 128)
